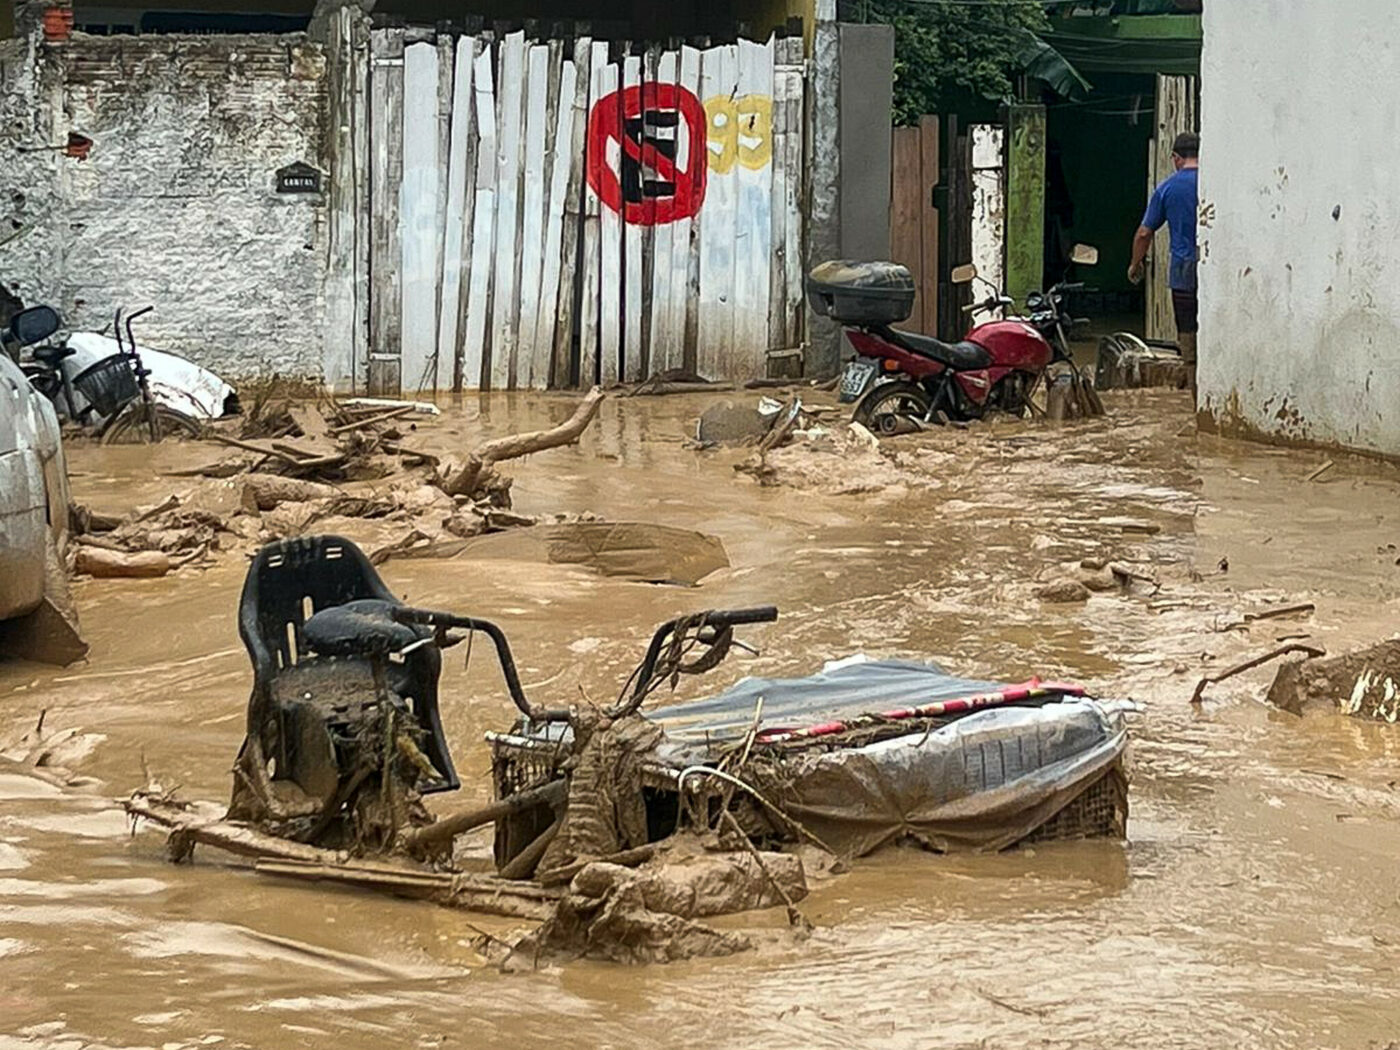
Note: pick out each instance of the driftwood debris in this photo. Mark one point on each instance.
(104, 562)
(442, 832)
(463, 479)
(1247, 665)
(278, 856)
(480, 893)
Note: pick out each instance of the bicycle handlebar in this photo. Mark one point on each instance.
(441, 622)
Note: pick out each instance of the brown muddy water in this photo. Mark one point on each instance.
(1255, 903)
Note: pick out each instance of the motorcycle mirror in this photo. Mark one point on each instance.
(1084, 255)
(964, 274)
(34, 325)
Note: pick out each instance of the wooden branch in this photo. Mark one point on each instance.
(370, 421)
(463, 479)
(515, 445)
(233, 836)
(469, 892)
(443, 831)
(629, 858)
(524, 863)
(248, 446)
(1230, 672)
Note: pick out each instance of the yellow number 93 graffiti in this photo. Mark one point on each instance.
(740, 129)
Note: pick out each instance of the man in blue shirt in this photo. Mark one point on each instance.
(1174, 203)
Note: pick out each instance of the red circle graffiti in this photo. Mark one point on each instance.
(648, 185)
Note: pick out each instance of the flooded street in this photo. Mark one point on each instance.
(1254, 904)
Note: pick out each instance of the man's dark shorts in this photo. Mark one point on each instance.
(1184, 306)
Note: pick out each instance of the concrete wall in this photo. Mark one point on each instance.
(176, 204)
(1300, 223)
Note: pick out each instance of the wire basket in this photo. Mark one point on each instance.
(109, 384)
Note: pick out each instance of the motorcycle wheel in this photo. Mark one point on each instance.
(883, 406)
(130, 428)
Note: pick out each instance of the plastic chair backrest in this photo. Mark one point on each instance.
(290, 580)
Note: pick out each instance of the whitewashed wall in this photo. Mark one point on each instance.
(1300, 222)
(545, 213)
(175, 206)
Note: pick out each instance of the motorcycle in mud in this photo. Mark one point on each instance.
(902, 380)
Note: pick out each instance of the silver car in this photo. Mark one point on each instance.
(33, 478)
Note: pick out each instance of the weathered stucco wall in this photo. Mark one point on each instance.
(176, 204)
(1300, 223)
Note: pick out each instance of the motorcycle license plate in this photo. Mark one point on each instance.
(855, 379)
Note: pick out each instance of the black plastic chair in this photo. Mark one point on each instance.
(291, 580)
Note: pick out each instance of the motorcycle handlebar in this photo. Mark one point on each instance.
(713, 618)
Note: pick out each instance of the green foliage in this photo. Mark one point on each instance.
(947, 52)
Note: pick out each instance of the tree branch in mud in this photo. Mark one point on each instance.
(1240, 668)
(462, 479)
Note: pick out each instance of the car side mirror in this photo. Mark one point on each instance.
(1084, 255)
(964, 274)
(34, 325)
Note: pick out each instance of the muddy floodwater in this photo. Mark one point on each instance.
(1254, 904)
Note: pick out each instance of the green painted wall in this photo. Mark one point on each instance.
(1025, 200)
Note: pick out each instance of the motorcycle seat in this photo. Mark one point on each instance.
(960, 357)
(51, 355)
(364, 627)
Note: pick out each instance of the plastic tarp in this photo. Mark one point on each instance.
(842, 689)
(983, 781)
(174, 380)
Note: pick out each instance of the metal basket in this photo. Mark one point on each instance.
(109, 384)
(1100, 811)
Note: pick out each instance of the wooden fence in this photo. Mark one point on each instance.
(564, 212)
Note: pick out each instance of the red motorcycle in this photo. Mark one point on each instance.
(995, 368)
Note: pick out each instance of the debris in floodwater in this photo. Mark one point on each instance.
(1364, 683)
(654, 820)
(633, 550)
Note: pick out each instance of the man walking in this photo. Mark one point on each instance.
(1174, 203)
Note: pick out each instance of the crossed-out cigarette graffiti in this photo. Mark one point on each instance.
(652, 147)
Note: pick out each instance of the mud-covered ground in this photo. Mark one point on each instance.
(1254, 904)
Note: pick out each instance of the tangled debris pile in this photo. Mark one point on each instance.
(304, 465)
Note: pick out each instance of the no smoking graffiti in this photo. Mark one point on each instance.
(647, 153)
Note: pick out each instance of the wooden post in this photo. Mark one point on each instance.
(386, 162)
(1025, 199)
(928, 226)
(906, 191)
(1176, 112)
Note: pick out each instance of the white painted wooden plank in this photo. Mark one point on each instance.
(648, 211)
(685, 240)
(534, 199)
(753, 246)
(561, 164)
(777, 270)
(719, 87)
(632, 252)
(664, 343)
(590, 265)
(471, 163)
(988, 210)
(456, 216)
(505, 307)
(480, 281)
(386, 177)
(610, 276)
(418, 209)
(569, 263)
(359, 74)
(795, 152)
